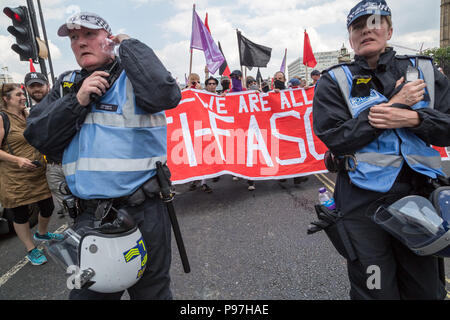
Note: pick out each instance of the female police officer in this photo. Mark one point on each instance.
(372, 110)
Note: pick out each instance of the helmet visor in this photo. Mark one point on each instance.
(413, 220)
(65, 252)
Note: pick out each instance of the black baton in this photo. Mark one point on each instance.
(167, 197)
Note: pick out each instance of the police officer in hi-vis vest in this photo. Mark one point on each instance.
(107, 121)
(381, 113)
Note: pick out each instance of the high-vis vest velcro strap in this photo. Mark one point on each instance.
(380, 162)
(117, 147)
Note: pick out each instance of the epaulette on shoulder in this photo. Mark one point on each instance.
(407, 57)
(338, 65)
(65, 73)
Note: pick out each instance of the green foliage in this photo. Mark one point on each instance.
(441, 56)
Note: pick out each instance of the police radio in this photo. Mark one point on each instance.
(114, 73)
(412, 73)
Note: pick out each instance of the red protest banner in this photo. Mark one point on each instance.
(249, 134)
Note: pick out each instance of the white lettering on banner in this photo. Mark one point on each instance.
(300, 141)
(207, 143)
(219, 105)
(305, 97)
(284, 101)
(263, 102)
(294, 103)
(187, 140)
(253, 99)
(216, 131)
(255, 132)
(242, 105)
(309, 135)
(211, 101)
(204, 104)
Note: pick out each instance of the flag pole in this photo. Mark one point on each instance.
(306, 66)
(306, 74)
(190, 59)
(240, 58)
(245, 78)
(285, 66)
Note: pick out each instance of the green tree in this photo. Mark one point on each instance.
(441, 56)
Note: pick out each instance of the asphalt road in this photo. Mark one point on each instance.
(241, 245)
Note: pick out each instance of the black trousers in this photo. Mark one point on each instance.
(154, 223)
(403, 274)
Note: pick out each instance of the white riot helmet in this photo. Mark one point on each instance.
(110, 258)
(422, 225)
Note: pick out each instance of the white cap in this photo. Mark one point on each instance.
(83, 19)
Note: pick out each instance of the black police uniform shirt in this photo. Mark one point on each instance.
(333, 124)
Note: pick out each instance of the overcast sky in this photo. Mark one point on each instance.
(165, 25)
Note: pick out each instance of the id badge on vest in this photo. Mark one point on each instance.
(359, 104)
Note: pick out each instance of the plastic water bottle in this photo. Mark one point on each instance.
(326, 199)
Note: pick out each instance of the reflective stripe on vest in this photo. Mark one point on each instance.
(380, 162)
(117, 147)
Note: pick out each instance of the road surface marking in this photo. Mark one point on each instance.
(327, 183)
(331, 182)
(8, 275)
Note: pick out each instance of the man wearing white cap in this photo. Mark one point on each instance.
(108, 122)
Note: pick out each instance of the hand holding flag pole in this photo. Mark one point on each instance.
(201, 39)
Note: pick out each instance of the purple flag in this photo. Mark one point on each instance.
(201, 39)
(283, 64)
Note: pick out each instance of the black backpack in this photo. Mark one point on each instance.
(6, 126)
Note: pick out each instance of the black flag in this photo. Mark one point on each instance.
(259, 78)
(252, 54)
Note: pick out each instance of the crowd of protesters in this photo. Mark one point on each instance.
(235, 83)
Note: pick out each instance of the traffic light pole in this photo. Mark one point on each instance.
(36, 34)
(46, 42)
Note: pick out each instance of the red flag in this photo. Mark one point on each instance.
(32, 69)
(308, 55)
(224, 69)
(206, 23)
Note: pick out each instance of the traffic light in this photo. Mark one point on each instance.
(22, 29)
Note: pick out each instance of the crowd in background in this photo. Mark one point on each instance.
(234, 83)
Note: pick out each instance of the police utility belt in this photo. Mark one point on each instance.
(101, 207)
